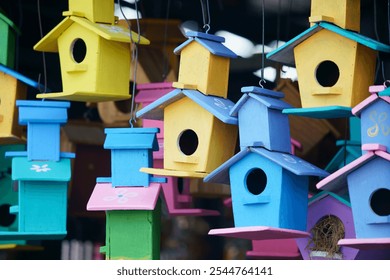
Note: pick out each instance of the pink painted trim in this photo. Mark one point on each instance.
(366, 243)
(356, 110)
(383, 154)
(373, 147)
(148, 86)
(376, 88)
(385, 98)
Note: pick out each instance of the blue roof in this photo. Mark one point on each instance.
(212, 43)
(285, 55)
(289, 162)
(267, 97)
(131, 138)
(22, 78)
(217, 106)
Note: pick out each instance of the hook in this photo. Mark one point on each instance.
(261, 82)
(207, 27)
(386, 83)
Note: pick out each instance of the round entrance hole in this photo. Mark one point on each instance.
(380, 202)
(327, 73)
(78, 50)
(188, 142)
(256, 181)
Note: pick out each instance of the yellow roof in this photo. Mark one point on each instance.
(107, 31)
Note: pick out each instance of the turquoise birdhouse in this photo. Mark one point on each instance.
(41, 177)
(260, 121)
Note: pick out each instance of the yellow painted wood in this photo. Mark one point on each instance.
(346, 13)
(174, 173)
(19, 247)
(350, 58)
(208, 72)
(318, 18)
(94, 10)
(183, 86)
(10, 90)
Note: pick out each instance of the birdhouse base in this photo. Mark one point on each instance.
(84, 96)
(259, 233)
(173, 173)
(326, 112)
(366, 243)
(14, 235)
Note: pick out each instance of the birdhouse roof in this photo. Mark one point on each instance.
(9, 23)
(25, 170)
(37, 111)
(214, 44)
(368, 101)
(289, 162)
(269, 98)
(323, 194)
(337, 181)
(21, 77)
(285, 54)
(131, 138)
(105, 197)
(109, 32)
(217, 106)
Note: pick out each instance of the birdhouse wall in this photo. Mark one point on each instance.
(43, 141)
(369, 199)
(185, 124)
(42, 206)
(251, 209)
(125, 167)
(344, 13)
(133, 234)
(104, 69)
(95, 10)
(375, 124)
(206, 72)
(330, 54)
(259, 124)
(10, 90)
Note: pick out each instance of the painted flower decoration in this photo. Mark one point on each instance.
(121, 195)
(39, 168)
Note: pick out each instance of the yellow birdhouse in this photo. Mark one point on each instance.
(204, 64)
(94, 53)
(199, 133)
(335, 66)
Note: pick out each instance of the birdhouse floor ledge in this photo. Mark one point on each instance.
(366, 243)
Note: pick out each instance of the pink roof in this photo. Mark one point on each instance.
(337, 181)
(372, 98)
(105, 197)
(376, 88)
(366, 243)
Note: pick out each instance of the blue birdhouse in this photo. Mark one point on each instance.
(375, 122)
(366, 181)
(131, 149)
(268, 188)
(260, 119)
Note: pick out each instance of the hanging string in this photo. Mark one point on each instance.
(165, 53)
(134, 59)
(262, 42)
(206, 15)
(43, 53)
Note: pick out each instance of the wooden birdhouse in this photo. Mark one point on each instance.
(8, 32)
(341, 65)
(94, 53)
(365, 180)
(42, 176)
(13, 86)
(329, 220)
(260, 120)
(373, 113)
(272, 184)
(134, 209)
(195, 125)
(204, 64)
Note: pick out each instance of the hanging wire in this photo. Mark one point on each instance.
(43, 53)
(206, 15)
(134, 59)
(165, 53)
(262, 42)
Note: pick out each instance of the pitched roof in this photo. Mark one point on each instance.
(109, 32)
(285, 55)
(337, 181)
(289, 162)
(269, 98)
(323, 194)
(368, 101)
(105, 197)
(212, 43)
(217, 106)
(131, 138)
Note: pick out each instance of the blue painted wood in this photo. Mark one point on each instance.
(23, 78)
(262, 91)
(129, 139)
(354, 129)
(362, 185)
(375, 123)
(348, 152)
(212, 43)
(326, 112)
(5, 162)
(261, 121)
(217, 106)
